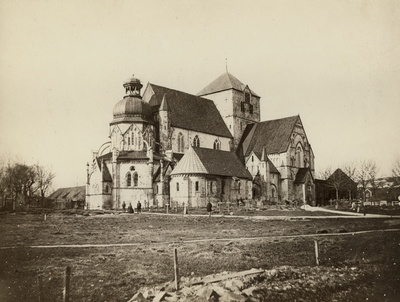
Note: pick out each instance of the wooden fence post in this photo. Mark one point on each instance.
(40, 284)
(67, 283)
(316, 252)
(176, 269)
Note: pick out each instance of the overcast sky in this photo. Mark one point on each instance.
(63, 63)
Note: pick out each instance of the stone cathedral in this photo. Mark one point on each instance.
(170, 147)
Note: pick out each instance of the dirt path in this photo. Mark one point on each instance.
(195, 240)
(341, 214)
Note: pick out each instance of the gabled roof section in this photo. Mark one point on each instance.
(71, 193)
(213, 162)
(188, 111)
(272, 135)
(272, 168)
(301, 176)
(225, 81)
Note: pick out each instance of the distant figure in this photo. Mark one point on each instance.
(139, 207)
(130, 209)
(123, 206)
(209, 208)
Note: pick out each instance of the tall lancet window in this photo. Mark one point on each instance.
(135, 179)
(181, 143)
(128, 179)
(299, 156)
(196, 141)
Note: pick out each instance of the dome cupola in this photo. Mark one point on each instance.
(132, 108)
(132, 86)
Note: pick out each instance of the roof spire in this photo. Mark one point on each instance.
(226, 64)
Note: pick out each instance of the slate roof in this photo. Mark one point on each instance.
(273, 135)
(225, 81)
(213, 162)
(272, 168)
(71, 193)
(190, 112)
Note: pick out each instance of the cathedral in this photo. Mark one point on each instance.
(168, 147)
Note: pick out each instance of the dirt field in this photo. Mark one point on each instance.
(115, 273)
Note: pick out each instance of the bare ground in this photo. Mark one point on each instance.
(116, 273)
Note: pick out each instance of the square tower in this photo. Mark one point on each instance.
(236, 102)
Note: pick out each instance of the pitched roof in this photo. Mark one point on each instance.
(210, 161)
(301, 175)
(273, 135)
(71, 193)
(106, 174)
(272, 168)
(188, 111)
(225, 81)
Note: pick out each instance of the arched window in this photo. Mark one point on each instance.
(273, 192)
(135, 179)
(197, 186)
(299, 156)
(239, 187)
(196, 141)
(177, 186)
(139, 141)
(181, 143)
(217, 144)
(128, 179)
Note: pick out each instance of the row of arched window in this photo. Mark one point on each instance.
(196, 143)
(131, 179)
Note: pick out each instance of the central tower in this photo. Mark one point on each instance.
(236, 102)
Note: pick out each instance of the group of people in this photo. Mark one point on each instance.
(130, 208)
(139, 208)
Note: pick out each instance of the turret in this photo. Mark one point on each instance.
(165, 126)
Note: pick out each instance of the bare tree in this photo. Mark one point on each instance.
(324, 174)
(19, 180)
(350, 170)
(3, 183)
(396, 170)
(337, 181)
(44, 179)
(366, 174)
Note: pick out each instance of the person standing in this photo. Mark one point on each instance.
(130, 209)
(209, 208)
(123, 206)
(139, 207)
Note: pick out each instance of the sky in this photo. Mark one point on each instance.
(62, 66)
